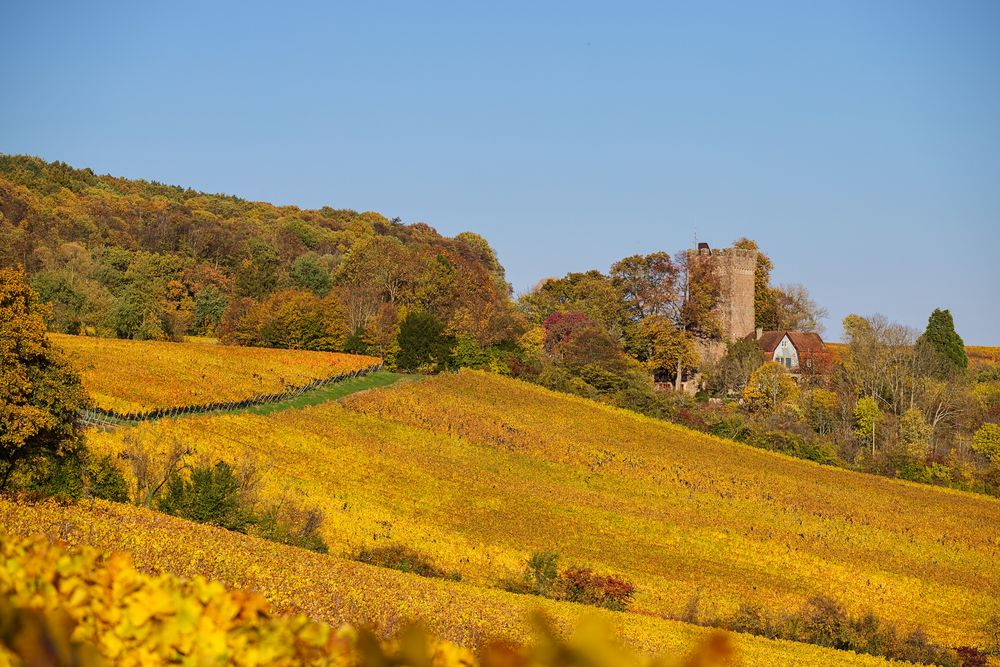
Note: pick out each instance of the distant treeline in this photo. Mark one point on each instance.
(138, 259)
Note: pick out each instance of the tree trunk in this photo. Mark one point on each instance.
(874, 426)
(6, 473)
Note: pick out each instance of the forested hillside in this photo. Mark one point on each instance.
(139, 259)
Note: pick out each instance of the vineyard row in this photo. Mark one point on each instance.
(113, 419)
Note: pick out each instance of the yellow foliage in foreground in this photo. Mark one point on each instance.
(136, 618)
(128, 375)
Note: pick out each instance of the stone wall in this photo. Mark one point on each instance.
(735, 268)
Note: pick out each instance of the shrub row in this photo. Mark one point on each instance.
(825, 622)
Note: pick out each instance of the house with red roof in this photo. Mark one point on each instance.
(798, 351)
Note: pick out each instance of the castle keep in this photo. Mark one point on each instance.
(735, 270)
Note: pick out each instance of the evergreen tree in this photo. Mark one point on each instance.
(355, 343)
(942, 337)
(422, 342)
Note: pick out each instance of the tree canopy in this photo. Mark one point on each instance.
(940, 334)
(40, 395)
(138, 259)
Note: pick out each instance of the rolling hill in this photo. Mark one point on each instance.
(477, 472)
(335, 591)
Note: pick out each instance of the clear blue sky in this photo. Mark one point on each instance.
(858, 142)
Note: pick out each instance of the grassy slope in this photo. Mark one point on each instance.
(332, 392)
(339, 591)
(486, 470)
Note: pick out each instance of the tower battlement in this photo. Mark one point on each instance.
(750, 255)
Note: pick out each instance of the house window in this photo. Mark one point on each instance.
(809, 363)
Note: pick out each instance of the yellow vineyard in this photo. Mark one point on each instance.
(129, 376)
(478, 472)
(978, 354)
(984, 355)
(138, 619)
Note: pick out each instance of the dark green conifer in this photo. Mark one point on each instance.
(942, 337)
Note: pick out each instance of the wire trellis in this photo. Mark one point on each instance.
(110, 419)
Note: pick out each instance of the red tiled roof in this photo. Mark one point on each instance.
(805, 342)
(769, 340)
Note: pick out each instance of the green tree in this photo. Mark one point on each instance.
(669, 350)
(66, 302)
(468, 353)
(867, 416)
(769, 387)
(40, 395)
(355, 342)
(986, 442)
(209, 306)
(137, 315)
(820, 407)
(78, 473)
(914, 434)
(733, 371)
(212, 495)
(591, 293)
(422, 342)
(258, 274)
(542, 571)
(942, 337)
(309, 273)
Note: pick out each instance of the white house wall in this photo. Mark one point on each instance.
(785, 350)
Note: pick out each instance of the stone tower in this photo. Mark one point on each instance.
(735, 269)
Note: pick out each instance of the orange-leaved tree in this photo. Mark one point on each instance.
(40, 395)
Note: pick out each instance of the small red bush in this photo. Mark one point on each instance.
(581, 584)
